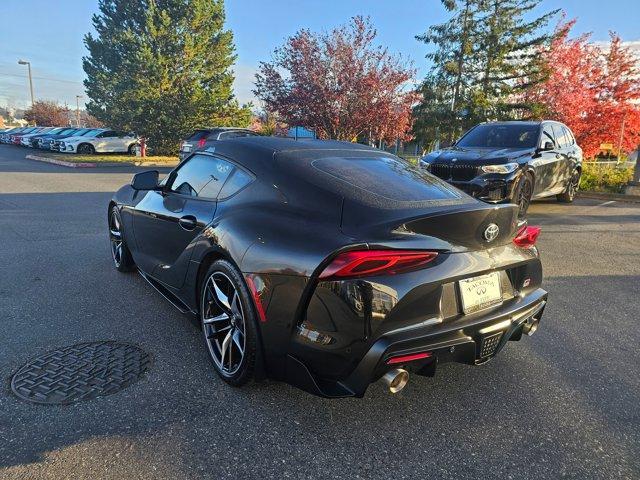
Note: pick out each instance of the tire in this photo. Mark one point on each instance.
(132, 149)
(569, 193)
(120, 253)
(228, 321)
(522, 194)
(86, 149)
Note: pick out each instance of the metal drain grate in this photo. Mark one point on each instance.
(80, 372)
(489, 345)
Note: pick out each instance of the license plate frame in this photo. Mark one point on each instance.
(480, 292)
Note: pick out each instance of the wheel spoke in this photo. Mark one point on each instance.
(221, 299)
(224, 348)
(237, 341)
(235, 308)
(218, 318)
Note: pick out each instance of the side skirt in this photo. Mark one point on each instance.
(166, 293)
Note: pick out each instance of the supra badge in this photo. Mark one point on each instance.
(491, 232)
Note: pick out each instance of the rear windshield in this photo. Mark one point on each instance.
(387, 177)
(198, 134)
(501, 136)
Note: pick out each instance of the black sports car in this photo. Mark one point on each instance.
(514, 162)
(329, 265)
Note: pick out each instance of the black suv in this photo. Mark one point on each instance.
(512, 162)
(199, 138)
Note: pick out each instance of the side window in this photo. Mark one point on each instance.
(107, 134)
(236, 182)
(201, 176)
(559, 134)
(547, 135)
(569, 136)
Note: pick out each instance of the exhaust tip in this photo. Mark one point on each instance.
(531, 326)
(396, 379)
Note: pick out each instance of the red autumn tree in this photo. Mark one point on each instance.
(48, 114)
(339, 84)
(592, 90)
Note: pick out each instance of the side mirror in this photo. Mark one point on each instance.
(547, 146)
(145, 180)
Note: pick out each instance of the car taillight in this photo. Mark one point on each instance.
(375, 262)
(202, 141)
(527, 236)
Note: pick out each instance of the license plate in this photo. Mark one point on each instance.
(480, 292)
(186, 148)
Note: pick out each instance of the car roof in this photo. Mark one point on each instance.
(515, 122)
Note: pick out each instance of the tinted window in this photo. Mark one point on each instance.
(561, 138)
(387, 177)
(547, 134)
(236, 182)
(198, 134)
(108, 134)
(501, 136)
(90, 133)
(568, 135)
(201, 176)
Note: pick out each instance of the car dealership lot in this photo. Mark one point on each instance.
(562, 403)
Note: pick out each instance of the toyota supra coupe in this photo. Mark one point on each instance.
(329, 265)
(512, 162)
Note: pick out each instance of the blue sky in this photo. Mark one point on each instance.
(49, 34)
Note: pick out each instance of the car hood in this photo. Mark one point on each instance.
(479, 156)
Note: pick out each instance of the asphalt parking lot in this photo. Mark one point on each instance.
(562, 404)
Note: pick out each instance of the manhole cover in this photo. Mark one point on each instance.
(80, 372)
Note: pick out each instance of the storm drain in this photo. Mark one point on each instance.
(80, 372)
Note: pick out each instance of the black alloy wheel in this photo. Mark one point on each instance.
(572, 188)
(227, 317)
(522, 198)
(120, 253)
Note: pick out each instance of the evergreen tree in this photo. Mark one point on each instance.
(510, 58)
(162, 68)
(485, 56)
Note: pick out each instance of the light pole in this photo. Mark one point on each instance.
(78, 110)
(28, 64)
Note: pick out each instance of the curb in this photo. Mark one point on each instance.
(610, 196)
(62, 163)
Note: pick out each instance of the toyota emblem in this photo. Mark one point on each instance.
(491, 232)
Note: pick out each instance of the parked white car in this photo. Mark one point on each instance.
(25, 140)
(100, 140)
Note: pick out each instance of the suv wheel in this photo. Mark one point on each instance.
(522, 196)
(572, 188)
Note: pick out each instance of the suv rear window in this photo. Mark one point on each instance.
(198, 134)
(387, 177)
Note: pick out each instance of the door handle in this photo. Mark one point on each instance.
(188, 222)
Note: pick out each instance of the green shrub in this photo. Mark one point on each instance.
(605, 178)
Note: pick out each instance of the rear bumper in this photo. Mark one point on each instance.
(458, 340)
